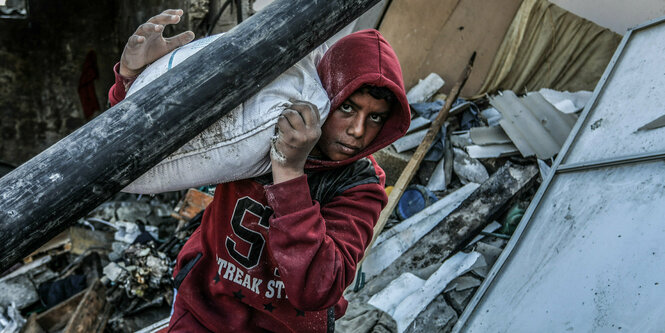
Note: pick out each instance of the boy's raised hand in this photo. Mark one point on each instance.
(147, 44)
(297, 132)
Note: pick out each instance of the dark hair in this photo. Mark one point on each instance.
(380, 93)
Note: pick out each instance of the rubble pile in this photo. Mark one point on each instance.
(124, 249)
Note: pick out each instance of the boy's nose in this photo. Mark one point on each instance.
(356, 128)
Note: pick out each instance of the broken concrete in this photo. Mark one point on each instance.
(438, 316)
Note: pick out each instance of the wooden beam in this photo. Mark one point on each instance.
(42, 197)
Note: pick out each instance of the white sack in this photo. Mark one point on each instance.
(237, 146)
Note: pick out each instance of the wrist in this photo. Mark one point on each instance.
(127, 73)
(282, 174)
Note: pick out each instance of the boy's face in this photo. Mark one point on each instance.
(353, 126)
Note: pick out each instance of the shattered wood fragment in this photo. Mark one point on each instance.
(55, 318)
(194, 202)
(89, 312)
(460, 226)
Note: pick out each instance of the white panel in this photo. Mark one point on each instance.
(633, 96)
(591, 260)
(617, 15)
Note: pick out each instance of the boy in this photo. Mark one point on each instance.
(275, 253)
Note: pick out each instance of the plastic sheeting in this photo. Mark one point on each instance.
(548, 47)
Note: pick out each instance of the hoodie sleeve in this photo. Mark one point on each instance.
(119, 89)
(317, 248)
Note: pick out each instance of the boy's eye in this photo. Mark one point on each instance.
(376, 118)
(346, 108)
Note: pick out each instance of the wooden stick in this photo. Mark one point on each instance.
(413, 165)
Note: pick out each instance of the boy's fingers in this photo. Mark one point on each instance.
(283, 125)
(294, 118)
(147, 29)
(179, 40)
(178, 12)
(165, 18)
(135, 40)
(308, 111)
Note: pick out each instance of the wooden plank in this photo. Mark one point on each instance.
(55, 318)
(90, 310)
(42, 197)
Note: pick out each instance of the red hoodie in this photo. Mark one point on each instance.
(278, 257)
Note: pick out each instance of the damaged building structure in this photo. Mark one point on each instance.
(535, 207)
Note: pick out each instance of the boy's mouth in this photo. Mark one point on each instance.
(348, 149)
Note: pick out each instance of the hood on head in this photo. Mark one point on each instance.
(364, 58)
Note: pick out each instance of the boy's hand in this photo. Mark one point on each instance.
(297, 132)
(147, 43)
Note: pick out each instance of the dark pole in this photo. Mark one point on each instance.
(41, 197)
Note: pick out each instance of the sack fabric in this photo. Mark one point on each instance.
(238, 145)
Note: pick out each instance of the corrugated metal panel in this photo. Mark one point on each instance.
(533, 124)
(588, 255)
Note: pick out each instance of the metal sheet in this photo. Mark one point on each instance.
(591, 259)
(633, 96)
(587, 255)
(524, 121)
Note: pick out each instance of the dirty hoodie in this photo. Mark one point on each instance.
(278, 257)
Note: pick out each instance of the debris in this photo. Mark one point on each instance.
(415, 198)
(18, 291)
(458, 226)
(418, 123)
(408, 308)
(463, 282)
(468, 169)
(128, 231)
(431, 109)
(491, 116)
(438, 316)
(409, 141)
(458, 299)
(74, 240)
(565, 101)
(194, 202)
(443, 171)
(425, 89)
(391, 244)
(392, 163)
(544, 169)
(461, 139)
(11, 320)
(492, 151)
(52, 293)
(91, 313)
(489, 228)
(533, 125)
(365, 318)
(488, 135)
(513, 217)
(490, 254)
(657, 123)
